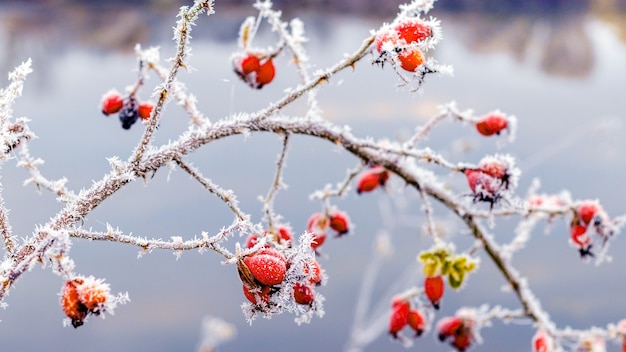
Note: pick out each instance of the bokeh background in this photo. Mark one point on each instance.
(559, 66)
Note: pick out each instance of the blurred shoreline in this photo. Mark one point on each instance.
(549, 34)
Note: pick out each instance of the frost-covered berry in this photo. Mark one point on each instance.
(492, 123)
(340, 222)
(267, 266)
(82, 296)
(314, 270)
(581, 239)
(449, 326)
(434, 288)
(317, 225)
(413, 30)
(111, 102)
(71, 304)
(410, 59)
(303, 294)
(249, 64)
(587, 210)
(253, 69)
(145, 110)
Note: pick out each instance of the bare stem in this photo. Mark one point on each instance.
(268, 202)
(225, 195)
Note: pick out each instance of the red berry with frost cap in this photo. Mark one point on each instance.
(587, 210)
(317, 225)
(112, 102)
(411, 59)
(265, 74)
(386, 36)
(93, 294)
(250, 64)
(417, 322)
(413, 30)
(303, 294)
(434, 288)
(145, 110)
(313, 268)
(340, 222)
(491, 124)
(268, 266)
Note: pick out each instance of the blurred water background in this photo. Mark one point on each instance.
(559, 66)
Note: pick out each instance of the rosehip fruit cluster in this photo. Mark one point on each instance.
(319, 223)
(129, 109)
(402, 315)
(83, 296)
(371, 179)
(254, 70)
(263, 272)
(402, 40)
(589, 218)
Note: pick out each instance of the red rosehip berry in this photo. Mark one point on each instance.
(462, 342)
(313, 268)
(369, 181)
(145, 110)
(303, 294)
(494, 169)
(434, 288)
(398, 320)
(71, 304)
(264, 294)
(578, 234)
(284, 232)
(449, 326)
(411, 59)
(542, 342)
(413, 30)
(265, 74)
(339, 222)
(317, 225)
(491, 124)
(93, 294)
(250, 64)
(268, 266)
(386, 36)
(417, 322)
(586, 211)
(112, 102)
